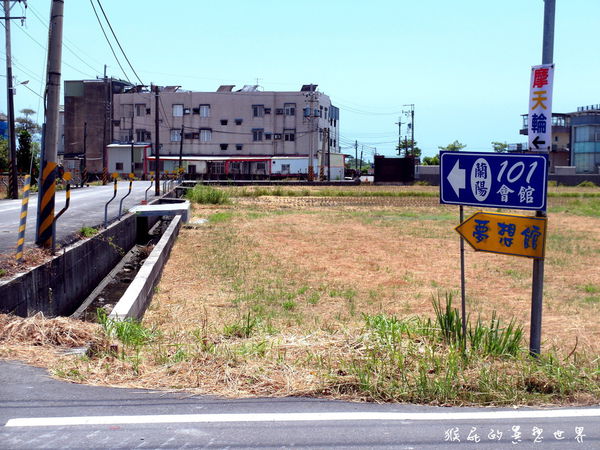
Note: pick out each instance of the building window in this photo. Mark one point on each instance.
(290, 109)
(175, 135)
(142, 135)
(119, 166)
(224, 146)
(126, 136)
(177, 110)
(285, 169)
(258, 110)
(267, 110)
(140, 109)
(268, 136)
(191, 136)
(127, 110)
(238, 121)
(204, 111)
(223, 122)
(289, 135)
(239, 146)
(257, 134)
(205, 135)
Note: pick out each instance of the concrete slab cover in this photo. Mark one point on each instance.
(164, 209)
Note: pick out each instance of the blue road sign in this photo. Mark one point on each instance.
(501, 180)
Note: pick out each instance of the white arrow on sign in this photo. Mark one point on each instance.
(456, 178)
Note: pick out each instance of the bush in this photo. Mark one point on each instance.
(207, 195)
(587, 184)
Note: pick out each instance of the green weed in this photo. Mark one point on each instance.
(207, 195)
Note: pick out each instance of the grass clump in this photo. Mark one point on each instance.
(208, 195)
(433, 361)
(87, 232)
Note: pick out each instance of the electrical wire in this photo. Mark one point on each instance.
(65, 45)
(45, 49)
(108, 41)
(116, 39)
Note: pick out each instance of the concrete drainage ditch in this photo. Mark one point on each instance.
(73, 281)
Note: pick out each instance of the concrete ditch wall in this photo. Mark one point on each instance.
(56, 287)
(137, 297)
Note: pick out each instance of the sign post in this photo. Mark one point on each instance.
(512, 181)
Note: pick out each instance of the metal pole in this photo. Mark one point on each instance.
(156, 144)
(412, 130)
(132, 164)
(83, 170)
(181, 149)
(47, 186)
(463, 301)
(13, 187)
(537, 290)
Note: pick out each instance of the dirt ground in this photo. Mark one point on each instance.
(273, 289)
(394, 260)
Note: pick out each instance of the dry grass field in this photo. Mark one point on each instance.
(331, 294)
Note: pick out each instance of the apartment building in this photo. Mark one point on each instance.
(241, 125)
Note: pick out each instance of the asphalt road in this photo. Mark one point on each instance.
(39, 412)
(86, 209)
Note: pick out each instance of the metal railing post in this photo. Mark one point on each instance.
(106, 206)
(67, 177)
(128, 193)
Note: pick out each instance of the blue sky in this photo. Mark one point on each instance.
(465, 64)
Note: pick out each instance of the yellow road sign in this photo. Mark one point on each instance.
(505, 233)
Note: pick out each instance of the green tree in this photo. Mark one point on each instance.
(431, 160)
(453, 147)
(3, 155)
(500, 147)
(27, 153)
(405, 147)
(26, 123)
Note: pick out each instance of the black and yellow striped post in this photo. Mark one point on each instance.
(46, 205)
(67, 177)
(23, 221)
(104, 176)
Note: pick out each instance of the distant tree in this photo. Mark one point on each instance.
(351, 163)
(25, 123)
(3, 155)
(453, 147)
(431, 160)
(27, 153)
(405, 149)
(500, 147)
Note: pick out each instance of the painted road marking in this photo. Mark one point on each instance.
(300, 417)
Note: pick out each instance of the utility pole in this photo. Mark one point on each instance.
(83, 170)
(156, 144)
(181, 148)
(45, 218)
(537, 291)
(328, 157)
(399, 123)
(314, 128)
(13, 182)
(411, 125)
(104, 133)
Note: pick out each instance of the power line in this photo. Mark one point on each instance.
(64, 43)
(44, 48)
(116, 39)
(108, 41)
